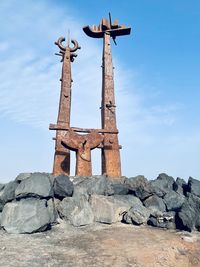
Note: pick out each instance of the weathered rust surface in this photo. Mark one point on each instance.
(62, 155)
(82, 145)
(80, 130)
(106, 26)
(111, 163)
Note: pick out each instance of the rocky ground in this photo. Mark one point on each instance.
(101, 245)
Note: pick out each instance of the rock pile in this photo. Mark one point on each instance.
(33, 202)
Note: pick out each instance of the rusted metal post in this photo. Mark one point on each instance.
(62, 155)
(111, 164)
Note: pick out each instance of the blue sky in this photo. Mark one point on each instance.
(156, 78)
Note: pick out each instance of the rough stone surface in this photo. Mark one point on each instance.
(194, 186)
(163, 184)
(173, 201)
(155, 202)
(180, 186)
(76, 210)
(138, 214)
(163, 220)
(63, 187)
(197, 224)
(129, 200)
(26, 216)
(51, 206)
(8, 193)
(99, 185)
(108, 209)
(120, 189)
(186, 218)
(2, 186)
(139, 186)
(189, 215)
(37, 185)
(23, 176)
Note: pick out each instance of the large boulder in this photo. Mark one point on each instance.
(109, 209)
(99, 185)
(26, 216)
(155, 202)
(139, 186)
(188, 217)
(194, 186)
(173, 201)
(36, 185)
(76, 210)
(163, 184)
(63, 187)
(8, 193)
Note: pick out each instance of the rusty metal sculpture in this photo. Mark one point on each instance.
(106, 138)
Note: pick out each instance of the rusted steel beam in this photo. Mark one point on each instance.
(81, 130)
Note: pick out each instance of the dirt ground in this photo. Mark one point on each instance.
(101, 245)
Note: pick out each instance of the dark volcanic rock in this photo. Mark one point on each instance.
(139, 186)
(37, 185)
(8, 192)
(189, 216)
(51, 205)
(99, 185)
(162, 184)
(22, 176)
(155, 202)
(185, 218)
(26, 216)
(163, 220)
(76, 210)
(180, 186)
(194, 186)
(2, 186)
(109, 209)
(1, 205)
(138, 214)
(63, 187)
(197, 223)
(173, 201)
(120, 189)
